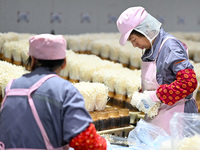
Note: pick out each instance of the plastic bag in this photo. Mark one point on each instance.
(185, 131)
(147, 136)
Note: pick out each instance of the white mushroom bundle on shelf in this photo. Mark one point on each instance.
(96, 47)
(88, 64)
(98, 75)
(6, 51)
(105, 45)
(23, 45)
(73, 43)
(64, 73)
(95, 95)
(88, 93)
(82, 42)
(123, 81)
(133, 82)
(135, 58)
(73, 64)
(1, 43)
(120, 83)
(83, 39)
(105, 50)
(77, 43)
(12, 51)
(82, 67)
(12, 45)
(125, 53)
(110, 78)
(24, 55)
(101, 95)
(9, 36)
(86, 71)
(9, 71)
(92, 65)
(119, 80)
(114, 52)
(89, 38)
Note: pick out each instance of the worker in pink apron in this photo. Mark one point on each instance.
(41, 110)
(168, 77)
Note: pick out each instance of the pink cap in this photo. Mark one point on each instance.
(128, 20)
(47, 47)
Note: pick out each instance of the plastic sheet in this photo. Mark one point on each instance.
(185, 131)
(147, 136)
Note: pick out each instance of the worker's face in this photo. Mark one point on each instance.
(139, 41)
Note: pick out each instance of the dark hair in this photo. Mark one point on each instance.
(136, 33)
(51, 64)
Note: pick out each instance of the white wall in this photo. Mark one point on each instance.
(39, 15)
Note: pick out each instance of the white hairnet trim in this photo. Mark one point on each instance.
(149, 27)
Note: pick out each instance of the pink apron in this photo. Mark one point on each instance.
(149, 83)
(27, 92)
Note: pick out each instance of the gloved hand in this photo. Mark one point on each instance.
(146, 102)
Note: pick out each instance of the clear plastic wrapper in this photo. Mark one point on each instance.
(147, 136)
(185, 131)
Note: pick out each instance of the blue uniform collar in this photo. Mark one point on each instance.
(43, 70)
(40, 71)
